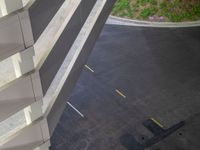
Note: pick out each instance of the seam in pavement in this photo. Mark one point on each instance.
(113, 20)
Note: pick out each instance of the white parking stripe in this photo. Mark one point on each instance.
(75, 109)
(89, 68)
(120, 93)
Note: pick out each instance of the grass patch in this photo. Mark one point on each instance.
(143, 2)
(158, 10)
(145, 13)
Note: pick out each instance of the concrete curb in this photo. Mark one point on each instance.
(129, 22)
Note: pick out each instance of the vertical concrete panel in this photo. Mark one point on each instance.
(67, 89)
(41, 13)
(8, 6)
(85, 8)
(59, 51)
(11, 39)
(64, 43)
(60, 104)
(26, 28)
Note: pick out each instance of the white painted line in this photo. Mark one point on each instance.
(120, 93)
(89, 68)
(75, 109)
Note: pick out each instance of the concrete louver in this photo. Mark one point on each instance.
(54, 79)
(26, 89)
(29, 84)
(22, 28)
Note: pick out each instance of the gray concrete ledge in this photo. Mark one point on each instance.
(129, 22)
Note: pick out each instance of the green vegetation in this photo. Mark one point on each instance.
(158, 10)
(146, 12)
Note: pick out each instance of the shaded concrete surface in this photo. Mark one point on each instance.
(187, 138)
(41, 14)
(158, 70)
(7, 72)
(11, 125)
(50, 66)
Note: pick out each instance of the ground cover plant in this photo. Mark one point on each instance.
(158, 10)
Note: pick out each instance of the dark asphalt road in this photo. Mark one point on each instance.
(158, 70)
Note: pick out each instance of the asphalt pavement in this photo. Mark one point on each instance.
(132, 75)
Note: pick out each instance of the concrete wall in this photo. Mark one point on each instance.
(59, 71)
(41, 13)
(64, 43)
(69, 84)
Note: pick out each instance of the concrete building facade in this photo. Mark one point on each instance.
(44, 44)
